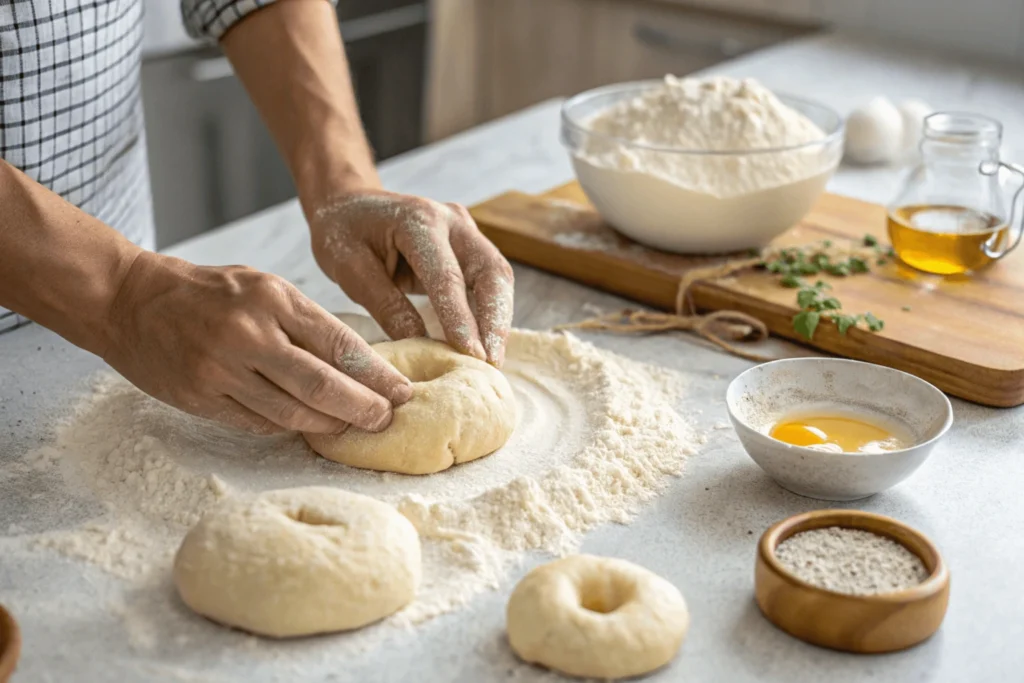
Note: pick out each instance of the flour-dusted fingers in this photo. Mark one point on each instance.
(385, 302)
(427, 249)
(491, 280)
(332, 341)
(406, 279)
(409, 239)
(494, 305)
(227, 410)
(264, 398)
(192, 335)
(328, 391)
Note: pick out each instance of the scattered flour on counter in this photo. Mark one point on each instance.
(597, 436)
(592, 309)
(586, 240)
(122, 448)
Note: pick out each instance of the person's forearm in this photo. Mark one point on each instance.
(290, 57)
(58, 266)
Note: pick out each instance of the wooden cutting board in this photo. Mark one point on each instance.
(965, 335)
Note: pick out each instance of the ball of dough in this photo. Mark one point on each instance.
(913, 113)
(596, 617)
(296, 562)
(461, 409)
(874, 133)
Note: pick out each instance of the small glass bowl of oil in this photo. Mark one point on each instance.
(952, 215)
(836, 429)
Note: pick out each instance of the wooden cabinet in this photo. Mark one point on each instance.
(651, 39)
(493, 57)
(536, 49)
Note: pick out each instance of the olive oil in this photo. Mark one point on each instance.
(945, 239)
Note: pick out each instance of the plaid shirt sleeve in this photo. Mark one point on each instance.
(211, 19)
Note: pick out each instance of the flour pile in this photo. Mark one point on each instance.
(597, 436)
(698, 115)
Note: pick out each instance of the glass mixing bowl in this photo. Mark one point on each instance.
(675, 214)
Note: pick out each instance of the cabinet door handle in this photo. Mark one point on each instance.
(664, 40)
(211, 69)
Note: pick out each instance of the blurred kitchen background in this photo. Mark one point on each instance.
(428, 69)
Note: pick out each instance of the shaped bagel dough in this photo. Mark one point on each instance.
(596, 617)
(461, 409)
(299, 561)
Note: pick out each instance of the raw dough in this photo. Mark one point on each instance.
(299, 561)
(461, 409)
(596, 617)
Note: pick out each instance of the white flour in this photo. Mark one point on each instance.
(684, 166)
(713, 114)
(597, 436)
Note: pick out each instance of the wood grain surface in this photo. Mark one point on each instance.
(854, 623)
(963, 334)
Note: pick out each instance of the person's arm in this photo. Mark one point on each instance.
(290, 57)
(231, 344)
(59, 266)
(375, 244)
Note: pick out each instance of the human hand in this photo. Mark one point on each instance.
(245, 348)
(379, 245)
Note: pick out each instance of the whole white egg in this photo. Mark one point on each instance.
(874, 133)
(913, 113)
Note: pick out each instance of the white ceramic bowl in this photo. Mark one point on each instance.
(667, 216)
(762, 396)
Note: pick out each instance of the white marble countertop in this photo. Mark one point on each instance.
(701, 534)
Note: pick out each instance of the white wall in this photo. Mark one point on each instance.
(993, 28)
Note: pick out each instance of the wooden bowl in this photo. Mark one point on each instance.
(853, 623)
(10, 645)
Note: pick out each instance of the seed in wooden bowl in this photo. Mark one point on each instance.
(851, 561)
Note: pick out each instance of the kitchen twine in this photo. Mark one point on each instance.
(721, 328)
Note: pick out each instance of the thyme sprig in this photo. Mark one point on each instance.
(793, 264)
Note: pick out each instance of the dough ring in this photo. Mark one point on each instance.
(299, 561)
(596, 617)
(461, 409)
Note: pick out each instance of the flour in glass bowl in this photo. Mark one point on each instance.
(597, 436)
(701, 165)
(717, 114)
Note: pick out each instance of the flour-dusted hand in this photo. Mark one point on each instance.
(379, 246)
(245, 348)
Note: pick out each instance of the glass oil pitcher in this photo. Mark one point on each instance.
(952, 215)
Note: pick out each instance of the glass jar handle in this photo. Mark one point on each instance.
(991, 247)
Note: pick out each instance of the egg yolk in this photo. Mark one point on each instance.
(848, 434)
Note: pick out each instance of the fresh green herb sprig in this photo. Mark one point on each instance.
(793, 264)
(816, 305)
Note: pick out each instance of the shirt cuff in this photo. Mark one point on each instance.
(209, 20)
